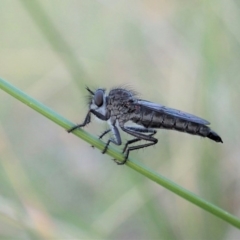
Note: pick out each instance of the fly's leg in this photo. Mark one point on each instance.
(139, 136)
(117, 139)
(130, 142)
(104, 133)
(135, 148)
(86, 121)
(142, 130)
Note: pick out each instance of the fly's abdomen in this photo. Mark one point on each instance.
(154, 119)
(175, 123)
(151, 119)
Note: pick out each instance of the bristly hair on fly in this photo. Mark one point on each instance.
(89, 90)
(128, 88)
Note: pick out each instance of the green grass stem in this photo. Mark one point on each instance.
(149, 173)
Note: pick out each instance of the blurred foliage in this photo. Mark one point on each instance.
(180, 54)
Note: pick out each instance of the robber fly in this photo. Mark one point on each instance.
(121, 105)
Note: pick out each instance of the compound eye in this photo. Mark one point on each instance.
(98, 98)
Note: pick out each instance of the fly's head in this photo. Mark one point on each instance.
(98, 100)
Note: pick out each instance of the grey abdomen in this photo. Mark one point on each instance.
(174, 123)
(154, 119)
(159, 120)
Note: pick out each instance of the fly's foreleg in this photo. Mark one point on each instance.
(139, 136)
(141, 130)
(86, 121)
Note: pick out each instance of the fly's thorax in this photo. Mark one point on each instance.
(120, 102)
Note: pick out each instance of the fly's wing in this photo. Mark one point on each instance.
(172, 112)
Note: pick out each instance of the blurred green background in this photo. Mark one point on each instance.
(183, 54)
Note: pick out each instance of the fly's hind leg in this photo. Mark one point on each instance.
(137, 132)
(141, 130)
(137, 147)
